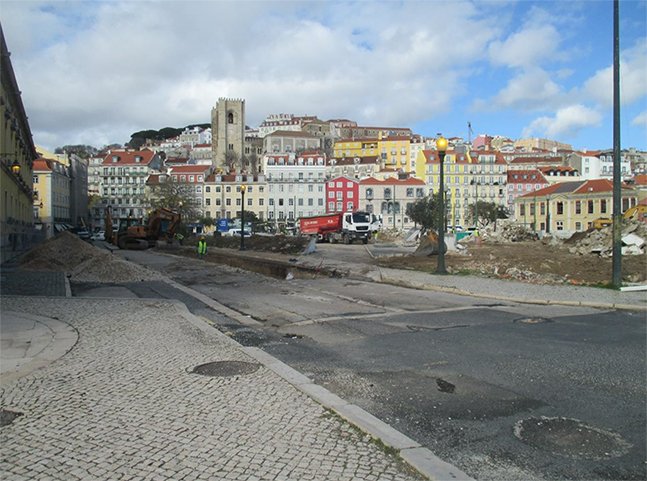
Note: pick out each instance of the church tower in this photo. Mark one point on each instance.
(228, 133)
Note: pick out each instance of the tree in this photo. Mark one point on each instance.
(487, 212)
(178, 196)
(254, 163)
(83, 151)
(425, 212)
(136, 142)
(231, 159)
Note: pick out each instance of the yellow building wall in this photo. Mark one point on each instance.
(397, 153)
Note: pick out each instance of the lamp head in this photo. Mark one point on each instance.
(441, 144)
(15, 167)
(243, 188)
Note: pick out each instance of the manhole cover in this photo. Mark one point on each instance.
(7, 417)
(570, 438)
(532, 320)
(226, 368)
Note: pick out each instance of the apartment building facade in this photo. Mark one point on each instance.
(567, 207)
(123, 183)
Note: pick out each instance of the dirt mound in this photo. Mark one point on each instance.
(83, 262)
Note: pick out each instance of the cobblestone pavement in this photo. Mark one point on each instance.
(125, 404)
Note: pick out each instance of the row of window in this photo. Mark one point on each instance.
(579, 207)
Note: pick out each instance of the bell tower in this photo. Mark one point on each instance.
(228, 133)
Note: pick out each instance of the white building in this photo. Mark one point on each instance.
(295, 185)
(598, 165)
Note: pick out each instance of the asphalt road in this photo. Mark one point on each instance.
(501, 390)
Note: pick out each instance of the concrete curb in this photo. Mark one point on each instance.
(411, 452)
(454, 290)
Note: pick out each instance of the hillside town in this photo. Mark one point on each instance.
(293, 166)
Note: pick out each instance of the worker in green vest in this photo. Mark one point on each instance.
(202, 247)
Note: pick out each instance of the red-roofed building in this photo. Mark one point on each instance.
(521, 182)
(389, 199)
(567, 207)
(123, 181)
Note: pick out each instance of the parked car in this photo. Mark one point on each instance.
(98, 235)
(83, 234)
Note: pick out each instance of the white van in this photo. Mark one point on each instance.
(236, 233)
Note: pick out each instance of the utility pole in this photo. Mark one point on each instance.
(617, 189)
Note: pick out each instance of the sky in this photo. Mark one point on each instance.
(94, 72)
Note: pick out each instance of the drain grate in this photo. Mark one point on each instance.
(7, 416)
(226, 368)
(570, 438)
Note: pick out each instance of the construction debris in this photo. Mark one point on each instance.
(600, 241)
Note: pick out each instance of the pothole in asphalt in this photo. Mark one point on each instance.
(226, 368)
(7, 417)
(570, 438)
(532, 320)
(293, 336)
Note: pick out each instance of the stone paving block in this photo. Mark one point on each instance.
(125, 404)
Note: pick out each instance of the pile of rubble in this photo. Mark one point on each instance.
(600, 241)
(83, 262)
(505, 230)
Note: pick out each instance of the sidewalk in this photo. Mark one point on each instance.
(488, 288)
(108, 389)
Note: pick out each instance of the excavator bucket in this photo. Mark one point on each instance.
(428, 245)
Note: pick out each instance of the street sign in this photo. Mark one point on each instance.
(223, 225)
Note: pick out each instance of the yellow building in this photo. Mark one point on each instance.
(351, 148)
(568, 207)
(223, 197)
(17, 154)
(52, 196)
(393, 151)
(468, 178)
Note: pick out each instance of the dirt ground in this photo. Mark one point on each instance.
(532, 261)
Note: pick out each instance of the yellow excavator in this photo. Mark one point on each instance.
(637, 212)
(134, 234)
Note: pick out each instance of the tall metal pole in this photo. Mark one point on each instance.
(617, 189)
(242, 217)
(441, 146)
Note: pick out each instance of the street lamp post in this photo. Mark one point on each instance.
(242, 217)
(476, 204)
(441, 146)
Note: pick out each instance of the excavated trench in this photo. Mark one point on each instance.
(272, 268)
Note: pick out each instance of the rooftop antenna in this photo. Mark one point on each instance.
(469, 132)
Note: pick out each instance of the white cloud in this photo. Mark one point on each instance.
(526, 48)
(633, 78)
(566, 122)
(154, 64)
(640, 120)
(530, 90)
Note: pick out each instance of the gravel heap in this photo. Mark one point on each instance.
(83, 262)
